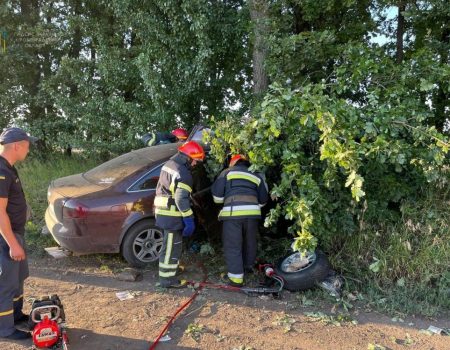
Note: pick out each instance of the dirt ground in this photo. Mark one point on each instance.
(217, 319)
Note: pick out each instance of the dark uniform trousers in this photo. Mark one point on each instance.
(242, 194)
(170, 255)
(12, 275)
(172, 207)
(239, 244)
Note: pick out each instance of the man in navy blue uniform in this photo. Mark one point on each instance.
(242, 194)
(13, 215)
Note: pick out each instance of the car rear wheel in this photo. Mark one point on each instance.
(142, 244)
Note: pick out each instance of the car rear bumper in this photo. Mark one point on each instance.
(67, 235)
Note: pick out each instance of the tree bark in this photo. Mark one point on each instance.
(259, 17)
(32, 68)
(400, 31)
(75, 48)
(300, 25)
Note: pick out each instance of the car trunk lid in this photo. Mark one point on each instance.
(62, 189)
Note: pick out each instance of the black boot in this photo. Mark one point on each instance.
(225, 279)
(172, 283)
(21, 318)
(18, 335)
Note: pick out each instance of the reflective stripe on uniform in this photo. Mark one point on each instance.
(168, 266)
(167, 274)
(6, 313)
(152, 140)
(172, 172)
(187, 213)
(184, 187)
(236, 278)
(240, 175)
(169, 248)
(161, 201)
(172, 186)
(240, 210)
(241, 207)
(164, 212)
(218, 200)
(18, 298)
(240, 213)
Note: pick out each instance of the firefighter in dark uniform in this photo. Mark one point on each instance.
(13, 215)
(160, 138)
(173, 209)
(242, 194)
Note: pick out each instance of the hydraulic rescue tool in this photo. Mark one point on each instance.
(48, 322)
(273, 284)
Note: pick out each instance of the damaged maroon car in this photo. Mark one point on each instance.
(109, 209)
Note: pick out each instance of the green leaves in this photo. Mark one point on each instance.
(343, 160)
(305, 242)
(376, 265)
(356, 182)
(426, 85)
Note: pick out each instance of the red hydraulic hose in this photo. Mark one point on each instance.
(181, 308)
(199, 286)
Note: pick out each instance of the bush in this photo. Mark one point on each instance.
(354, 178)
(403, 264)
(330, 164)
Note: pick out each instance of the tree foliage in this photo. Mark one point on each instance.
(100, 73)
(346, 132)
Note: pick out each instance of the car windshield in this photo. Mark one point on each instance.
(116, 169)
(198, 134)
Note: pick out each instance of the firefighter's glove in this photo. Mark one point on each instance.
(189, 227)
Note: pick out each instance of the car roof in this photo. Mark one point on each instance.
(157, 153)
(118, 168)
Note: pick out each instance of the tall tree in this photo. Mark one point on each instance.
(259, 14)
(400, 30)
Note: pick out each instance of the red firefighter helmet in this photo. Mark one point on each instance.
(235, 159)
(180, 133)
(193, 150)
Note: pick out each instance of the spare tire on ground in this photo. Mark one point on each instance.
(300, 273)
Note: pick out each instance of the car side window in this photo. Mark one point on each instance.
(148, 181)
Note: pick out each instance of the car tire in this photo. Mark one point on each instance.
(142, 244)
(304, 277)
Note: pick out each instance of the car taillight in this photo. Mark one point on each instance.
(75, 209)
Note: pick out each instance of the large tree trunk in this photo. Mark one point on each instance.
(32, 68)
(75, 47)
(400, 30)
(299, 25)
(259, 16)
